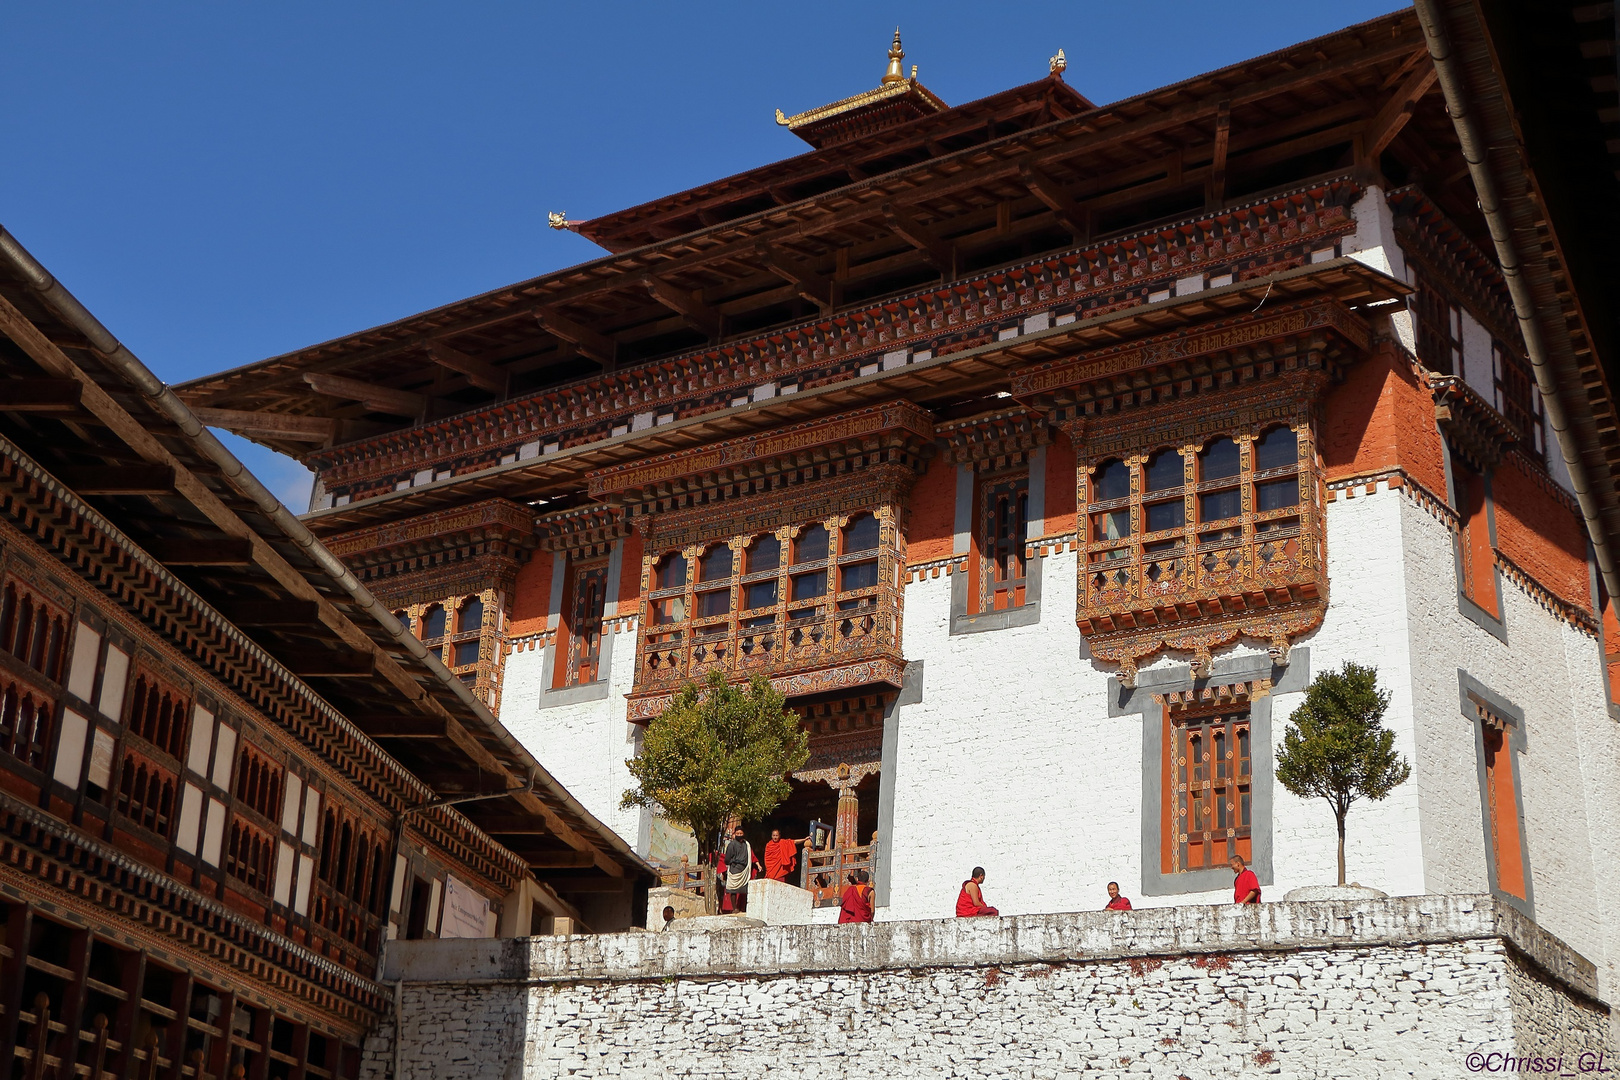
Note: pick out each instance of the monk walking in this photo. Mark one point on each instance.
(781, 856)
(1245, 887)
(739, 869)
(970, 901)
(1116, 902)
(856, 903)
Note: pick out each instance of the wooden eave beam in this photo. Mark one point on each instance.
(40, 395)
(403, 727)
(594, 346)
(551, 860)
(267, 425)
(1382, 128)
(924, 239)
(118, 479)
(377, 398)
(485, 376)
(327, 663)
(809, 284)
(271, 613)
(1217, 163)
(219, 551)
(1070, 214)
(703, 318)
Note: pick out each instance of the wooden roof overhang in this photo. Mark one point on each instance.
(216, 563)
(1301, 111)
(1533, 88)
(964, 375)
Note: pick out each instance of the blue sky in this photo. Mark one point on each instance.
(224, 182)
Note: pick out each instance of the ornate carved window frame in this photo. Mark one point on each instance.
(1262, 577)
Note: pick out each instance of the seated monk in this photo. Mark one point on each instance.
(856, 903)
(781, 856)
(970, 901)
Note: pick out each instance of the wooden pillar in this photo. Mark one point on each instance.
(18, 931)
(846, 830)
(123, 1031)
(73, 998)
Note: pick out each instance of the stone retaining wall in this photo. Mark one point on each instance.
(1402, 987)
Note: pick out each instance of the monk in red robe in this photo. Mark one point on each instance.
(1116, 902)
(1245, 887)
(970, 901)
(781, 856)
(856, 903)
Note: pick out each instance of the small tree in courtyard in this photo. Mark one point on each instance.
(1336, 746)
(717, 753)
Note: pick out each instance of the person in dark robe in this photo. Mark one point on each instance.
(739, 869)
(781, 856)
(855, 905)
(1116, 902)
(970, 901)
(1245, 886)
(717, 859)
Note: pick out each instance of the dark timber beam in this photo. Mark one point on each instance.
(814, 287)
(1073, 216)
(703, 318)
(332, 663)
(223, 551)
(595, 346)
(1217, 164)
(118, 479)
(1382, 128)
(40, 395)
(483, 375)
(315, 429)
(555, 860)
(270, 612)
(924, 239)
(377, 398)
(403, 727)
(594, 884)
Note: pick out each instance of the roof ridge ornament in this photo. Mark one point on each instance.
(1058, 63)
(895, 73)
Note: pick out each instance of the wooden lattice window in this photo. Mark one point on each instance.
(796, 597)
(157, 713)
(250, 855)
(33, 630)
(258, 783)
(352, 856)
(146, 793)
(25, 722)
(589, 604)
(1210, 802)
(1439, 330)
(1003, 529)
(1519, 398)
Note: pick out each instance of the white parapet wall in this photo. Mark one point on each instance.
(1408, 986)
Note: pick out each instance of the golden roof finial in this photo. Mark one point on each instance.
(896, 54)
(1058, 63)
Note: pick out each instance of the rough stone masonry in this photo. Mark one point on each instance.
(1409, 986)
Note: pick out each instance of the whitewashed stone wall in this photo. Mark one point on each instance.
(1400, 987)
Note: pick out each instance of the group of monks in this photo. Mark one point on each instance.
(737, 862)
(970, 901)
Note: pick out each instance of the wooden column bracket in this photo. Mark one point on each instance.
(1217, 164)
(483, 375)
(939, 252)
(592, 345)
(704, 319)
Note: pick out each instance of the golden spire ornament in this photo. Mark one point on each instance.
(1058, 63)
(896, 54)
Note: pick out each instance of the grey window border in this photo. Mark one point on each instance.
(1139, 702)
(1517, 744)
(1491, 624)
(911, 693)
(555, 697)
(1029, 614)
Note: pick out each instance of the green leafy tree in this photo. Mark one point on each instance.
(717, 753)
(1336, 746)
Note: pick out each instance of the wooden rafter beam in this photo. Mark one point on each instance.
(118, 479)
(484, 375)
(1217, 164)
(326, 663)
(1069, 212)
(551, 860)
(222, 551)
(40, 395)
(403, 727)
(705, 319)
(814, 287)
(595, 346)
(315, 429)
(938, 251)
(381, 399)
(1392, 117)
(283, 612)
